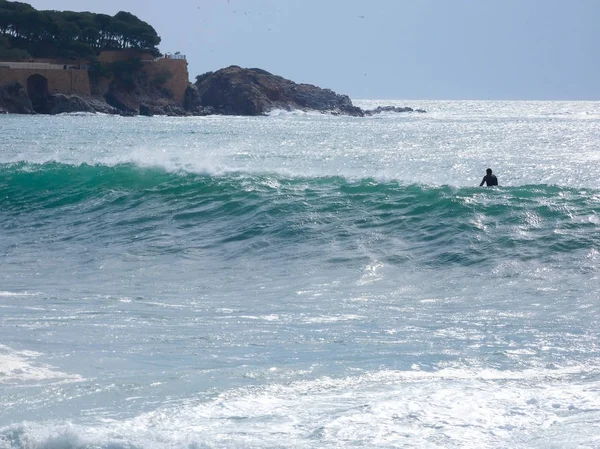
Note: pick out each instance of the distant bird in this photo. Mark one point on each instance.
(362, 17)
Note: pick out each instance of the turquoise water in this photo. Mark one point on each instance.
(302, 280)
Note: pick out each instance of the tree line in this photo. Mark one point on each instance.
(25, 31)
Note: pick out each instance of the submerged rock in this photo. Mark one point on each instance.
(380, 109)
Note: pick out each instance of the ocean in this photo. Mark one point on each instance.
(302, 280)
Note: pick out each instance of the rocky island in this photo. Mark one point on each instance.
(112, 65)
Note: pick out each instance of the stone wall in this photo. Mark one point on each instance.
(60, 61)
(170, 73)
(174, 74)
(63, 81)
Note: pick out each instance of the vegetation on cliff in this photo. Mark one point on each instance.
(127, 85)
(26, 32)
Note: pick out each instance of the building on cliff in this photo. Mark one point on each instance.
(47, 77)
(43, 78)
(169, 70)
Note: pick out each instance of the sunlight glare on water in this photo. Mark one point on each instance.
(302, 280)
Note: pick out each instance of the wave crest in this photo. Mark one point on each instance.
(264, 212)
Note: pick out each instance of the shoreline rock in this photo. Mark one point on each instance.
(14, 100)
(229, 91)
(380, 109)
(237, 91)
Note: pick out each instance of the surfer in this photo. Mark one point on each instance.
(489, 179)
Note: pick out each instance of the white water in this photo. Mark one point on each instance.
(256, 352)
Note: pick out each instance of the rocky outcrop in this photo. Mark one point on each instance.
(102, 107)
(61, 104)
(64, 104)
(121, 103)
(141, 97)
(170, 110)
(193, 102)
(238, 91)
(14, 100)
(380, 109)
(230, 91)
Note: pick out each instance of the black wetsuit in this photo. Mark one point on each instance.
(489, 180)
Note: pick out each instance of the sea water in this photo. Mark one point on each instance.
(302, 280)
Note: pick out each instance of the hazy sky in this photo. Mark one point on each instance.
(386, 49)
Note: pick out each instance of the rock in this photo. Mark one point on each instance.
(202, 111)
(230, 91)
(14, 99)
(175, 111)
(102, 107)
(128, 113)
(192, 100)
(116, 101)
(380, 109)
(238, 91)
(146, 110)
(162, 109)
(60, 104)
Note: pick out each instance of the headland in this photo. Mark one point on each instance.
(54, 62)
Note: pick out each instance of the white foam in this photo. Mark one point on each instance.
(79, 114)
(271, 317)
(449, 408)
(454, 407)
(292, 113)
(21, 366)
(333, 318)
(24, 294)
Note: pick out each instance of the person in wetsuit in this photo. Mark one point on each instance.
(489, 179)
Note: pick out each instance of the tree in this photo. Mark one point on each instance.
(68, 33)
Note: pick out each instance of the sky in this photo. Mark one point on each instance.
(386, 49)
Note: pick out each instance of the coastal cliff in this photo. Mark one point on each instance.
(229, 91)
(111, 64)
